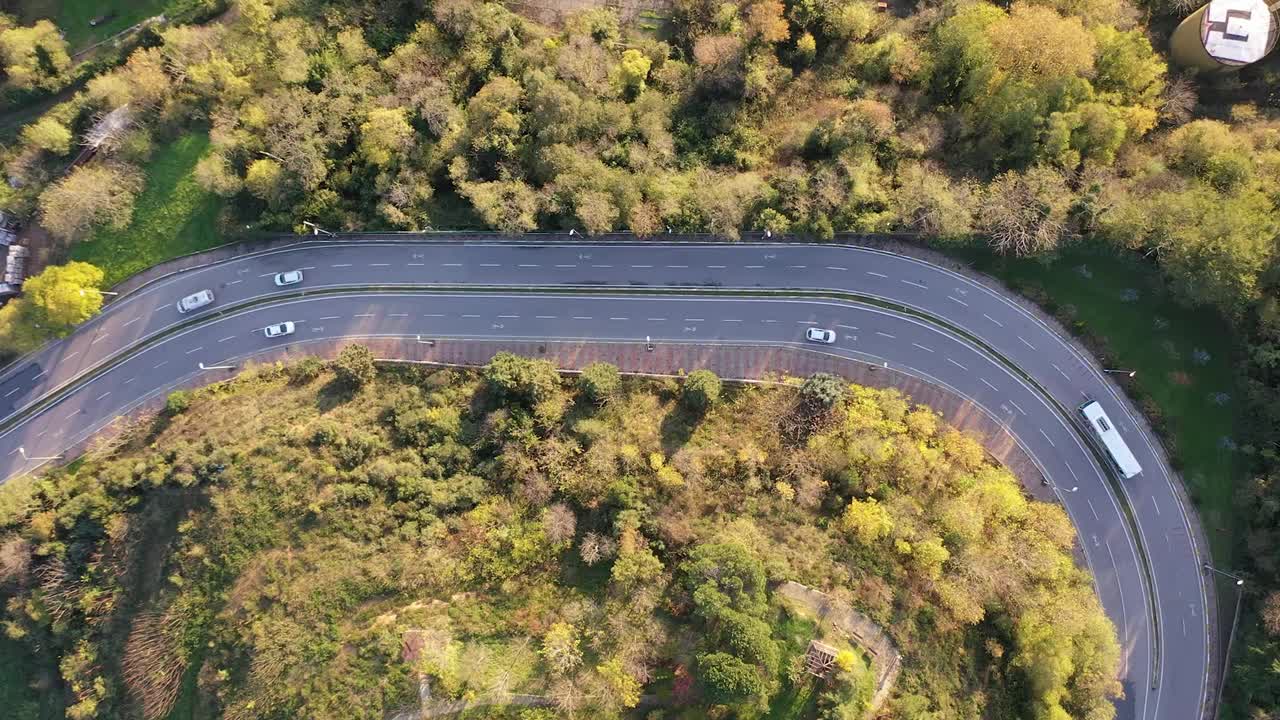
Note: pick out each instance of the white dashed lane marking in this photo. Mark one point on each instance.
(229, 337)
(12, 391)
(953, 362)
(132, 321)
(330, 317)
(993, 387)
(922, 286)
(195, 350)
(885, 334)
(1060, 372)
(922, 347)
(997, 322)
(876, 274)
(958, 301)
(1016, 407)
(1046, 437)
(1024, 342)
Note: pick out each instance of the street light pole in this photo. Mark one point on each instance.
(23, 452)
(1130, 373)
(1235, 620)
(100, 292)
(216, 367)
(316, 229)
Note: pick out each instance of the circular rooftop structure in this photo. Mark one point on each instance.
(1236, 32)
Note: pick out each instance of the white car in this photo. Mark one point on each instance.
(195, 301)
(291, 277)
(818, 335)
(279, 329)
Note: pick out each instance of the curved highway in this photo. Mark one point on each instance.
(1165, 654)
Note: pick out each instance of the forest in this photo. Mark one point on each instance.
(1019, 128)
(606, 546)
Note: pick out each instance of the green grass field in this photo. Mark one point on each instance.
(1123, 301)
(173, 216)
(19, 701)
(73, 16)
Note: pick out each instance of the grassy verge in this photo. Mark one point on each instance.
(19, 701)
(1183, 358)
(73, 16)
(173, 216)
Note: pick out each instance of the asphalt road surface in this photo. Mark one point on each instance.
(1165, 653)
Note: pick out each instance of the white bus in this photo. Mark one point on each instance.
(1101, 425)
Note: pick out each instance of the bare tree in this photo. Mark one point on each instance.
(1178, 101)
(15, 561)
(153, 666)
(560, 523)
(1025, 213)
(596, 547)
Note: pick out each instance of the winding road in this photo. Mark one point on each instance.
(918, 317)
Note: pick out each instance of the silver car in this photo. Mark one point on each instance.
(290, 277)
(279, 329)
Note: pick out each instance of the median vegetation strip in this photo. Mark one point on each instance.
(510, 534)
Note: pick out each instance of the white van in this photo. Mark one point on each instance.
(195, 301)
